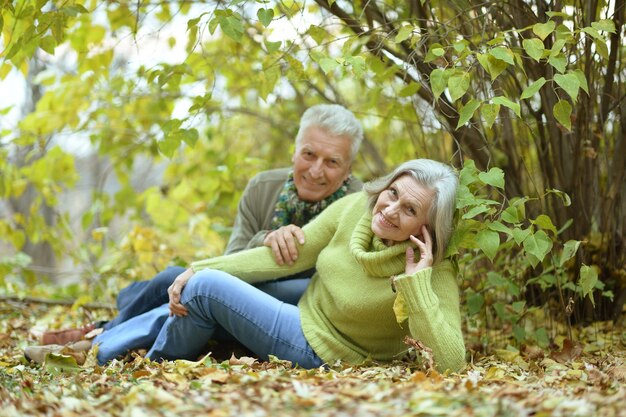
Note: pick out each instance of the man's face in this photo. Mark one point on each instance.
(320, 164)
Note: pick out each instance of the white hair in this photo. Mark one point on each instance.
(336, 120)
(436, 176)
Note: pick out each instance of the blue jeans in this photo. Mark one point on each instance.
(220, 307)
(143, 296)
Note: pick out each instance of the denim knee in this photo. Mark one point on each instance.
(202, 283)
(167, 277)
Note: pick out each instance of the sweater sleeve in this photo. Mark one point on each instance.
(258, 264)
(432, 299)
(247, 231)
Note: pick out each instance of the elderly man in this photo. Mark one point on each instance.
(274, 205)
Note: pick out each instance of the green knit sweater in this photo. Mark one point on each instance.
(347, 310)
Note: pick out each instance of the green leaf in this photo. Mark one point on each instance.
(460, 46)
(601, 48)
(494, 177)
(171, 125)
(559, 62)
(438, 81)
(475, 303)
(569, 83)
(318, 34)
(328, 64)
(410, 89)
(510, 215)
(458, 84)
(562, 113)
(168, 146)
(489, 242)
(403, 34)
(467, 111)
(557, 14)
(544, 222)
(507, 103)
(518, 306)
(532, 89)
(295, 70)
(557, 47)
(592, 32)
(475, 212)
(503, 54)
(265, 16)
(588, 280)
(519, 333)
(519, 235)
(538, 244)
(567, 201)
(492, 65)
(232, 26)
(496, 279)
(569, 250)
(534, 48)
(358, 65)
(582, 80)
(544, 29)
(435, 51)
(563, 32)
(48, 44)
(605, 25)
(194, 22)
(502, 313)
(490, 111)
(469, 173)
(272, 46)
(190, 136)
(499, 227)
(73, 10)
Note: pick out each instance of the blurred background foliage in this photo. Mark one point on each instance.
(130, 128)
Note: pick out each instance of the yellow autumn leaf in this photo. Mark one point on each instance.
(400, 309)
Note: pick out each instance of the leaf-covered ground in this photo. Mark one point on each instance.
(577, 380)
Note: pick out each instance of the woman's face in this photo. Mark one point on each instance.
(401, 210)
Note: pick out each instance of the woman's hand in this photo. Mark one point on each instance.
(426, 253)
(283, 243)
(174, 291)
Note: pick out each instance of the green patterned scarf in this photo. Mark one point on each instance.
(291, 210)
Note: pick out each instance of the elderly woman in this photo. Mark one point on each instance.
(347, 313)
(397, 227)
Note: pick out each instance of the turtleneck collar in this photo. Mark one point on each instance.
(370, 251)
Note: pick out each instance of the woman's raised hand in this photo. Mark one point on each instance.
(174, 291)
(425, 253)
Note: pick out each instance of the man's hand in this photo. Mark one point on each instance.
(174, 291)
(426, 253)
(283, 243)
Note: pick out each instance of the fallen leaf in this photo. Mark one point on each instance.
(424, 351)
(618, 373)
(62, 362)
(570, 351)
(244, 360)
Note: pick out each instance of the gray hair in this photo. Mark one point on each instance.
(436, 176)
(336, 120)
